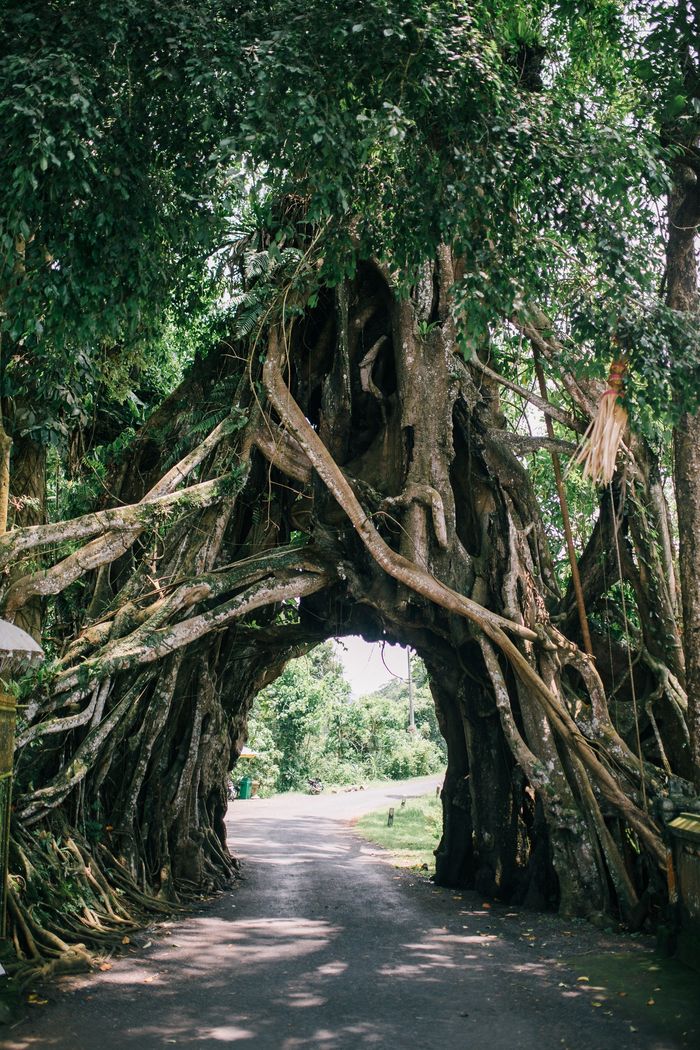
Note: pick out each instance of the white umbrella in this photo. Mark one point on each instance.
(17, 649)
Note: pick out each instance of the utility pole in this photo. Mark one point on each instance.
(411, 707)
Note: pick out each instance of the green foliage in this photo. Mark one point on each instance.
(265, 767)
(520, 133)
(293, 709)
(536, 137)
(396, 693)
(306, 725)
(108, 204)
(414, 835)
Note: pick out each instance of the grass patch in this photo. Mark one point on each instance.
(414, 835)
(662, 992)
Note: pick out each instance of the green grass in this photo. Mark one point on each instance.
(662, 992)
(414, 835)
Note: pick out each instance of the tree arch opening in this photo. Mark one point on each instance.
(343, 722)
(360, 478)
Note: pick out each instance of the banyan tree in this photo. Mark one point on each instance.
(360, 446)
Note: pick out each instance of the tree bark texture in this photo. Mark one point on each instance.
(682, 284)
(362, 482)
(28, 495)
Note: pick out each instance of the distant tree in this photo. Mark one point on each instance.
(306, 724)
(295, 711)
(396, 690)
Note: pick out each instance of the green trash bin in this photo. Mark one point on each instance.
(245, 788)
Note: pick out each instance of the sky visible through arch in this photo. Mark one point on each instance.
(370, 665)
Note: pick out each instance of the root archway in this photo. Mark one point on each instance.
(355, 475)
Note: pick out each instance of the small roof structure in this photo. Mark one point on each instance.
(17, 649)
(246, 752)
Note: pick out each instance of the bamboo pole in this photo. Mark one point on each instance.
(8, 712)
(564, 505)
(411, 703)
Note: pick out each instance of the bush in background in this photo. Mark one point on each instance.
(306, 724)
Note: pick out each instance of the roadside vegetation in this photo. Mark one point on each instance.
(413, 836)
(307, 724)
(279, 284)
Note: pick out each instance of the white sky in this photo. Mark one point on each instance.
(364, 667)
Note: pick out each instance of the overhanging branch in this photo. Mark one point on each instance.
(113, 544)
(395, 565)
(423, 583)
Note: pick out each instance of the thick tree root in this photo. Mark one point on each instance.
(363, 481)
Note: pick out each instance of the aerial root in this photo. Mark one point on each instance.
(425, 584)
(48, 940)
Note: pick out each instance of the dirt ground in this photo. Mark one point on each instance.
(322, 943)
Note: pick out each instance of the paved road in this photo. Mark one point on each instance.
(324, 945)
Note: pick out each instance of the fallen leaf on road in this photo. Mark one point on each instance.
(583, 978)
(148, 980)
(105, 966)
(35, 1000)
(126, 940)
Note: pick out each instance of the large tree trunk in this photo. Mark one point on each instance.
(28, 494)
(682, 283)
(363, 481)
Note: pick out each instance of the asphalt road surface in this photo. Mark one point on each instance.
(324, 944)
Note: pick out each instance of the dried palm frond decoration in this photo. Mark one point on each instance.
(599, 446)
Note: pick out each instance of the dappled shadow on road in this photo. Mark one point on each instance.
(318, 994)
(351, 960)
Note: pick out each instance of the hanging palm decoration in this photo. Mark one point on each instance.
(598, 450)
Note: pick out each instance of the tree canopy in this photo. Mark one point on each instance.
(165, 130)
(344, 259)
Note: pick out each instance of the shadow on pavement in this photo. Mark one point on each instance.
(322, 946)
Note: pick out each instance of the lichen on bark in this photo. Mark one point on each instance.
(376, 492)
